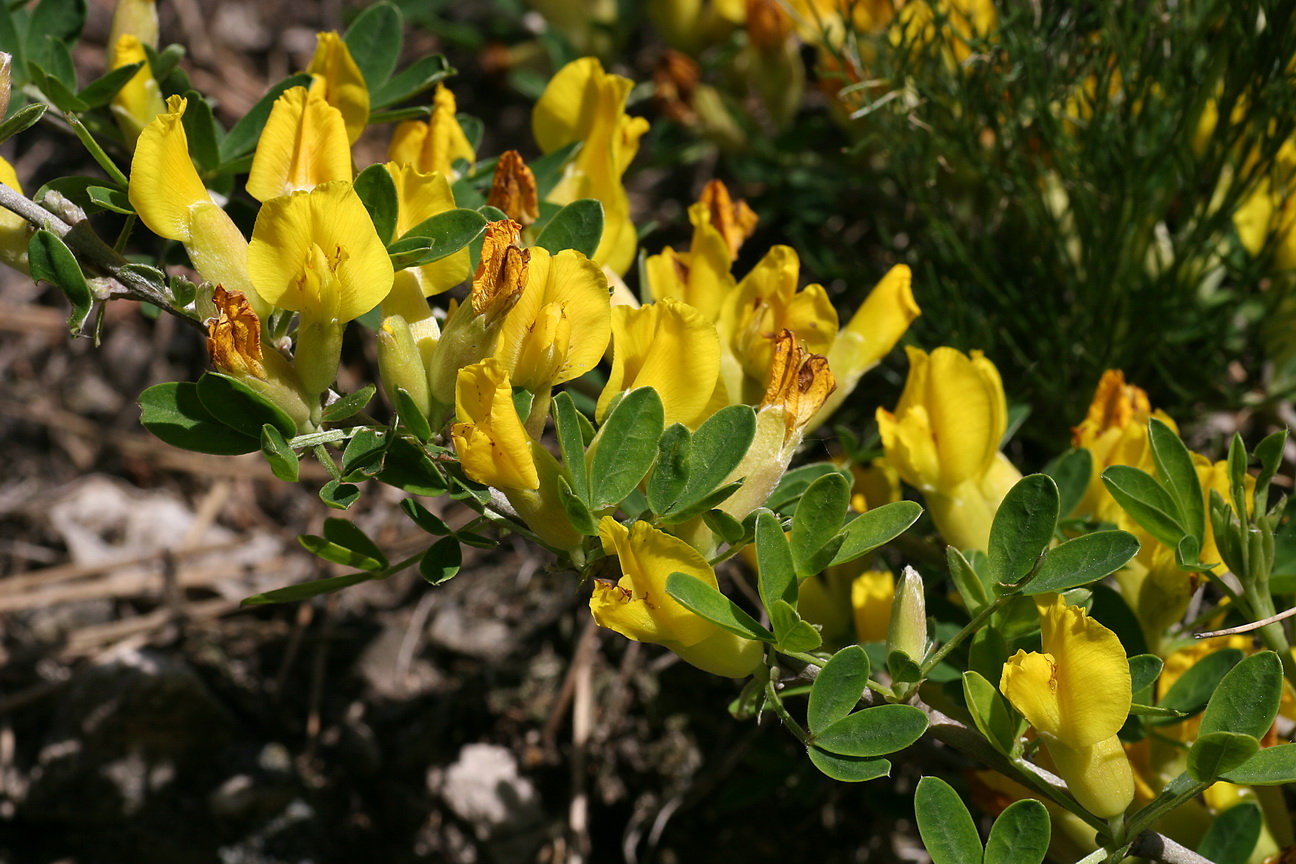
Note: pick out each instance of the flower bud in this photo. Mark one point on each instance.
(6, 81)
(908, 630)
(400, 363)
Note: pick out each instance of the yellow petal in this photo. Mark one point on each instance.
(968, 412)
(910, 446)
(1098, 775)
(421, 195)
(164, 185)
(570, 292)
(1030, 683)
(140, 100)
(493, 447)
(1093, 680)
(14, 230)
(338, 79)
(668, 346)
(304, 143)
(637, 605)
(871, 595)
(317, 252)
(138, 18)
(436, 144)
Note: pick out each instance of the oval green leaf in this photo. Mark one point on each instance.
(1217, 753)
(240, 407)
(1271, 766)
(837, 688)
(441, 562)
(1145, 501)
(944, 823)
(577, 226)
(848, 769)
(1246, 700)
(1020, 835)
(696, 595)
(875, 528)
(874, 731)
(818, 519)
(1023, 527)
(174, 413)
(1082, 560)
(625, 447)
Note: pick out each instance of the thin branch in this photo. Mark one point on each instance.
(92, 250)
(1247, 628)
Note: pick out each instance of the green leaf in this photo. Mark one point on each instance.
(990, 713)
(944, 823)
(848, 769)
(1216, 753)
(874, 528)
(350, 405)
(1082, 560)
(1178, 475)
(414, 79)
(412, 416)
(240, 407)
(101, 91)
(694, 594)
(1193, 689)
(441, 562)
(96, 152)
(715, 450)
(294, 593)
(1233, 834)
(339, 495)
(1020, 835)
(348, 535)
(726, 527)
(1246, 700)
(363, 456)
(436, 237)
(1270, 453)
(578, 513)
(1071, 472)
(577, 226)
(874, 731)
(408, 467)
(23, 119)
(777, 575)
(338, 554)
(549, 168)
(670, 473)
(57, 19)
(785, 495)
(284, 463)
(1022, 529)
(703, 505)
(174, 413)
(1144, 671)
(818, 520)
(837, 688)
(377, 192)
(242, 138)
(110, 199)
(625, 447)
(1272, 766)
(50, 259)
(423, 517)
(200, 130)
(791, 634)
(572, 445)
(1145, 501)
(374, 40)
(966, 580)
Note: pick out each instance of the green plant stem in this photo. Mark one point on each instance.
(1175, 793)
(972, 626)
(776, 702)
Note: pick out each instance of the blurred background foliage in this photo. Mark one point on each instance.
(1077, 186)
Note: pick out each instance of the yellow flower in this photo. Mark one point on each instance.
(799, 383)
(137, 103)
(436, 144)
(495, 450)
(419, 196)
(560, 326)
(304, 143)
(493, 447)
(337, 78)
(1114, 432)
(943, 439)
(701, 276)
(871, 594)
(15, 231)
(872, 332)
(172, 202)
(670, 347)
(317, 253)
(136, 17)
(1077, 695)
(638, 607)
(584, 103)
